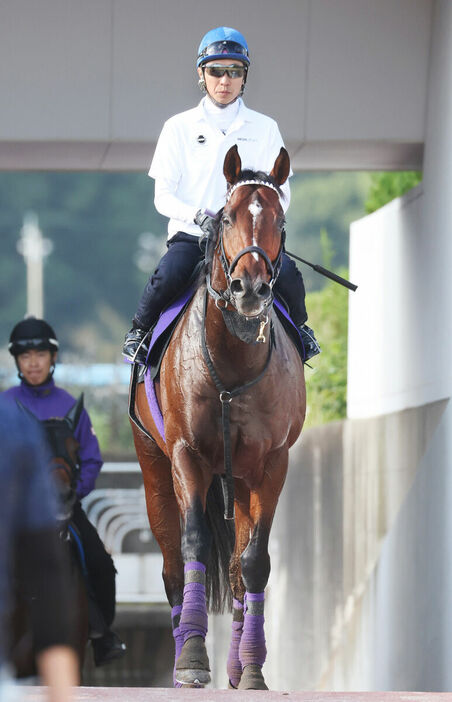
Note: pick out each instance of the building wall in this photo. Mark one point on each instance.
(88, 85)
(400, 321)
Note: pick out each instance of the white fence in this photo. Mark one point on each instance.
(119, 515)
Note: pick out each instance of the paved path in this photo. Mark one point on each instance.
(156, 694)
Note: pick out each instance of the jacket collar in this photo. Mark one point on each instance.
(38, 390)
(242, 115)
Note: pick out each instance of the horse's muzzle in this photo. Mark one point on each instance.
(250, 297)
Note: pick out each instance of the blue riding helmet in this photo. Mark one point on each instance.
(221, 43)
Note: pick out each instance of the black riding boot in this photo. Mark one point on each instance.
(290, 287)
(136, 344)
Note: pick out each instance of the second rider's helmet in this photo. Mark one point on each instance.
(32, 333)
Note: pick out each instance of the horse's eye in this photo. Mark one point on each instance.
(226, 221)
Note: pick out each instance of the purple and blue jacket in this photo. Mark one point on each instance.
(48, 400)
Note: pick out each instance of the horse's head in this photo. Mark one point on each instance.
(251, 236)
(64, 463)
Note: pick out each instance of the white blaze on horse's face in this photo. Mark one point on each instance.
(255, 208)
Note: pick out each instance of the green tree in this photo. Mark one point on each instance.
(384, 187)
(92, 282)
(319, 201)
(326, 382)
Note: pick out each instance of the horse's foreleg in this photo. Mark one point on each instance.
(243, 528)
(164, 520)
(255, 562)
(192, 665)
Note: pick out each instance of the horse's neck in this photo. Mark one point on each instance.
(236, 361)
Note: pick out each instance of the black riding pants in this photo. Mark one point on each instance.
(99, 563)
(176, 267)
(169, 278)
(290, 287)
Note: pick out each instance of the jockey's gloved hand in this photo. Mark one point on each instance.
(207, 221)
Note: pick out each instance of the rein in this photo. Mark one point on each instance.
(226, 397)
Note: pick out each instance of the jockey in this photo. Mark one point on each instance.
(190, 185)
(34, 345)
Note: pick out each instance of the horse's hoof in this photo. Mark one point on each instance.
(231, 686)
(252, 678)
(195, 685)
(192, 666)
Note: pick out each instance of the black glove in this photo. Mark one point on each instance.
(209, 227)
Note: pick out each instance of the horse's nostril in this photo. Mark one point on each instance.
(236, 286)
(263, 290)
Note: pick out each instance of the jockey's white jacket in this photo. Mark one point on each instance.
(188, 160)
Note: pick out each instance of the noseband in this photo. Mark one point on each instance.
(273, 267)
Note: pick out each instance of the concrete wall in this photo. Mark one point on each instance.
(337, 616)
(88, 84)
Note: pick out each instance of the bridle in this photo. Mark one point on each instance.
(224, 297)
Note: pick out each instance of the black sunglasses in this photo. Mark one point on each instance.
(218, 70)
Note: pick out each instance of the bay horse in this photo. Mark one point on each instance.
(64, 466)
(232, 395)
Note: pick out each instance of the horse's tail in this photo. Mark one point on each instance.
(218, 589)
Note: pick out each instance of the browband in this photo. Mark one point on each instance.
(263, 183)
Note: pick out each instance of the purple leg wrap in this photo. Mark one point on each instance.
(193, 621)
(234, 667)
(178, 639)
(252, 645)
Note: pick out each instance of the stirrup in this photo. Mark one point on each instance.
(135, 347)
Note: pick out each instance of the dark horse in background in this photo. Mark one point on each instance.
(222, 394)
(64, 466)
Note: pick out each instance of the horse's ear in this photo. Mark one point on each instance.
(232, 166)
(281, 169)
(73, 416)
